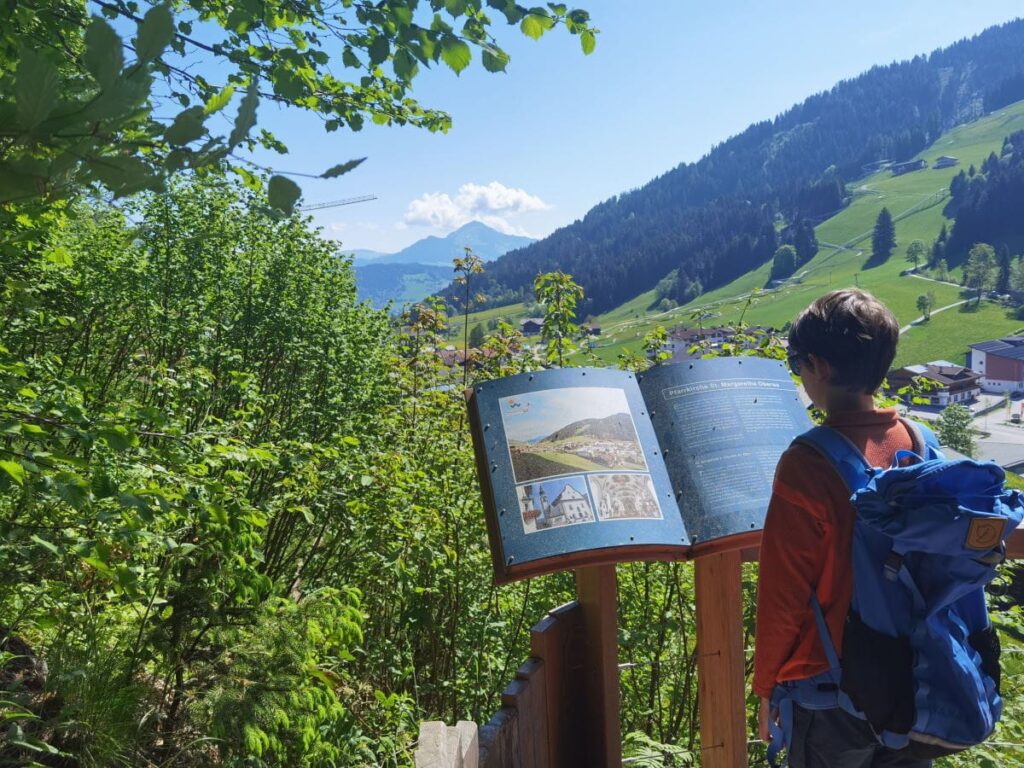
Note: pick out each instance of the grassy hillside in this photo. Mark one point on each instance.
(916, 201)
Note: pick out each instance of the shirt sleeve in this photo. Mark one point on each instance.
(793, 552)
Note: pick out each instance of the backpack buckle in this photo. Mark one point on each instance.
(892, 566)
(995, 557)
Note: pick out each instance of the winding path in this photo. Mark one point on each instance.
(920, 320)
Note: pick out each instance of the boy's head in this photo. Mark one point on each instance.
(854, 332)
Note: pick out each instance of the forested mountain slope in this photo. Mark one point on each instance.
(713, 220)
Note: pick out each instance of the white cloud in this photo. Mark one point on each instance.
(490, 203)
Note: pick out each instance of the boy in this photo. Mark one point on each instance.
(841, 346)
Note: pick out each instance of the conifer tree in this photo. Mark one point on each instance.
(883, 241)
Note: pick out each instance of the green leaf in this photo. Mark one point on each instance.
(155, 32)
(122, 175)
(117, 438)
(246, 118)
(59, 257)
(100, 566)
(587, 41)
(14, 470)
(349, 59)
(494, 60)
(342, 168)
(187, 126)
(35, 88)
(104, 56)
(282, 193)
(534, 25)
(103, 487)
(48, 545)
(73, 489)
(220, 100)
(455, 7)
(379, 49)
(405, 64)
(455, 53)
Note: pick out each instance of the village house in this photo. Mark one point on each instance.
(590, 329)
(570, 506)
(456, 358)
(951, 383)
(531, 326)
(945, 161)
(681, 340)
(898, 169)
(1000, 363)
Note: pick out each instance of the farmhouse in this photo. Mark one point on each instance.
(946, 162)
(531, 326)
(1000, 363)
(951, 383)
(898, 169)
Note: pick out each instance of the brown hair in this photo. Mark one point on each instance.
(854, 332)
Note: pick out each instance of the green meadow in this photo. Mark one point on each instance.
(916, 200)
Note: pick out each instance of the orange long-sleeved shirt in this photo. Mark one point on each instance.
(806, 546)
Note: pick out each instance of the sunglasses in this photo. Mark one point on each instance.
(794, 359)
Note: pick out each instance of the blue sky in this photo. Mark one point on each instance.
(533, 149)
(533, 415)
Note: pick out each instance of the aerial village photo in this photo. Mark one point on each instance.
(557, 431)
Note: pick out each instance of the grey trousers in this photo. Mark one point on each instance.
(832, 738)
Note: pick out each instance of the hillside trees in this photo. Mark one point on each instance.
(981, 269)
(706, 218)
(883, 237)
(783, 262)
(77, 111)
(558, 294)
(924, 304)
(954, 428)
(804, 241)
(916, 251)
(988, 208)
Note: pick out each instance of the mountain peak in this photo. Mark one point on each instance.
(486, 242)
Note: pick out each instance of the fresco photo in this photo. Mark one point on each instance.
(623, 496)
(555, 503)
(568, 430)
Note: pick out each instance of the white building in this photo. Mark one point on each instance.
(1000, 363)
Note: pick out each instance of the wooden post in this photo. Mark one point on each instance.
(596, 591)
(720, 663)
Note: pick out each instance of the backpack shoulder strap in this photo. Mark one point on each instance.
(926, 444)
(847, 459)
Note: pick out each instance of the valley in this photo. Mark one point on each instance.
(915, 199)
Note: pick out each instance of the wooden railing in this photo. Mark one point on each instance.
(561, 711)
(543, 719)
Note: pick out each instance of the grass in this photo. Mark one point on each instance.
(916, 201)
(570, 460)
(948, 335)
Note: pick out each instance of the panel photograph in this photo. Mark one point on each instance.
(569, 430)
(621, 497)
(554, 503)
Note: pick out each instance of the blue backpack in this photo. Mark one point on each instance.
(920, 658)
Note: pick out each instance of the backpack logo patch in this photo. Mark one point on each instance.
(984, 533)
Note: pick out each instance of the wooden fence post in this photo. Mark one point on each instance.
(596, 593)
(720, 663)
